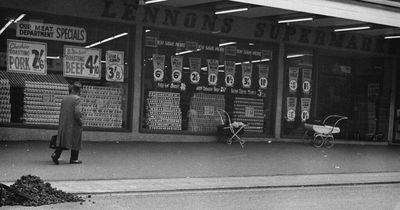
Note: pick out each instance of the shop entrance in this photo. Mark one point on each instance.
(354, 87)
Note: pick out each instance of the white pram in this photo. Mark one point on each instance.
(229, 131)
(323, 133)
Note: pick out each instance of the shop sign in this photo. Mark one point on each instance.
(115, 66)
(26, 57)
(195, 65)
(305, 108)
(229, 73)
(247, 70)
(34, 30)
(293, 77)
(306, 78)
(291, 103)
(176, 65)
(80, 62)
(263, 75)
(158, 67)
(212, 71)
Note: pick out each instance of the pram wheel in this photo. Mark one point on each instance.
(318, 141)
(329, 141)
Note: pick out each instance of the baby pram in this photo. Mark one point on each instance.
(229, 131)
(323, 132)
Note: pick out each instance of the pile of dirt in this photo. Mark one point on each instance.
(40, 193)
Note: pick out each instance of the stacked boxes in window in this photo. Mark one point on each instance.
(42, 102)
(163, 111)
(249, 110)
(203, 116)
(5, 105)
(101, 106)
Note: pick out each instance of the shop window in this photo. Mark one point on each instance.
(42, 55)
(189, 77)
(298, 91)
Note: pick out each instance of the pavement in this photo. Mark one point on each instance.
(119, 167)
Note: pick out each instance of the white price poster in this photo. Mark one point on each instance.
(26, 57)
(229, 73)
(291, 104)
(263, 75)
(176, 64)
(115, 66)
(195, 65)
(158, 67)
(306, 73)
(212, 72)
(305, 108)
(247, 70)
(293, 79)
(80, 62)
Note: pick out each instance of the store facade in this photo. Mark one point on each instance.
(155, 73)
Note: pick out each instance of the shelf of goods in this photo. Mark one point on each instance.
(5, 105)
(163, 111)
(101, 106)
(249, 110)
(203, 115)
(42, 102)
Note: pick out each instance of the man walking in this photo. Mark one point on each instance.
(70, 126)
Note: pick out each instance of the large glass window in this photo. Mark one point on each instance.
(42, 55)
(189, 77)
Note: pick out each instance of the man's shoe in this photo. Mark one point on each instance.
(75, 161)
(54, 158)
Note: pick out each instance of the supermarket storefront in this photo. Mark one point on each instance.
(161, 74)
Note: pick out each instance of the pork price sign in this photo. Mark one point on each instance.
(26, 57)
(80, 62)
(46, 31)
(115, 66)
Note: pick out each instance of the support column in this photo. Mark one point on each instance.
(279, 89)
(392, 65)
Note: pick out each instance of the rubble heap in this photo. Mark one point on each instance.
(40, 193)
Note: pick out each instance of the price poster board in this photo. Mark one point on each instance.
(195, 66)
(115, 66)
(176, 65)
(249, 111)
(306, 78)
(230, 71)
(293, 79)
(209, 110)
(26, 57)
(158, 67)
(263, 75)
(212, 71)
(247, 70)
(34, 30)
(291, 103)
(305, 109)
(80, 62)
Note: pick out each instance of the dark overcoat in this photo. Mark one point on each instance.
(70, 123)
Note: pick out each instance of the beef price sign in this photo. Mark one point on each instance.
(26, 57)
(82, 62)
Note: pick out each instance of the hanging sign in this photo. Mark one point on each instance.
(291, 103)
(115, 66)
(305, 109)
(158, 67)
(263, 75)
(176, 65)
(293, 77)
(46, 31)
(230, 50)
(26, 57)
(195, 65)
(229, 73)
(247, 70)
(212, 71)
(306, 78)
(81, 62)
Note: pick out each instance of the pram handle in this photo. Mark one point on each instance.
(340, 118)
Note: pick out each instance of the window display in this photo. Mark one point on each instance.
(42, 55)
(189, 77)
